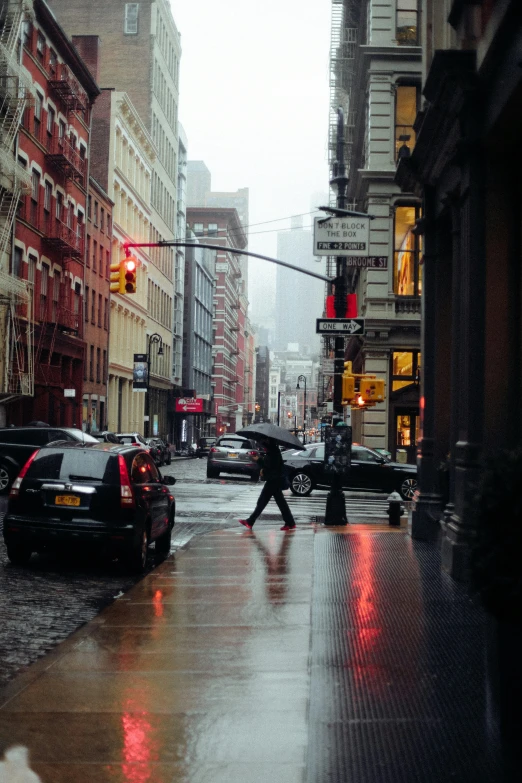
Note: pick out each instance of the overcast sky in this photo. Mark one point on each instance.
(254, 101)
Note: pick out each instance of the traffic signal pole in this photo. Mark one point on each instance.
(335, 501)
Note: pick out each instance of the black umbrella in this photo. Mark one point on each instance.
(272, 431)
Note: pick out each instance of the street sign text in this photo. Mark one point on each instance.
(346, 236)
(338, 325)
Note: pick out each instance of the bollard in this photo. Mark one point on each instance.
(395, 509)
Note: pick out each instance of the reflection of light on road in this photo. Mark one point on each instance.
(158, 604)
(368, 627)
(139, 749)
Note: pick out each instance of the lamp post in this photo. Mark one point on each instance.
(303, 378)
(154, 338)
(335, 501)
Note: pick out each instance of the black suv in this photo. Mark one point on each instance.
(18, 443)
(103, 495)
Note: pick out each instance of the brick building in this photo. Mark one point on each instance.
(97, 308)
(49, 246)
(223, 228)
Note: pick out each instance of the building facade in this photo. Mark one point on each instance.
(223, 228)
(145, 33)
(49, 246)
(465, 166)
(262, 407)
(16, 293)
(96, 311)
(376, 75)
(198, 328)
(122, 162)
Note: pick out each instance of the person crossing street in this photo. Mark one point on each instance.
(273, 472)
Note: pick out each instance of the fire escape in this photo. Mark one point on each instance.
(16, 295)
(62, 232)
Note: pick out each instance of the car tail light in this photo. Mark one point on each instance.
(212, 450)
(126, 493)
(252, 453)
(15, 489)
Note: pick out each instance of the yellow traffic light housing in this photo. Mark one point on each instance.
(129, 270)
(371, 390)
(115, 277)
(348, 388)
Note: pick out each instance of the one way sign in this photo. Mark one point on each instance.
(340, 325)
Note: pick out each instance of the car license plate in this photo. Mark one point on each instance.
(67, 500)
(233, 454)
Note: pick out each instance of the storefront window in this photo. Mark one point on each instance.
(406, 101)
(405, 368)
(407, 276)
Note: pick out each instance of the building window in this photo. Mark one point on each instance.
(100, 300)
(94, 254)
(56, 296)
(95, 213)
(198, 229)
(59, 205)
(86, 306)
(104, 368)
(93, 307)
(31, 270)
(407, 276)
(53, 61)
(44, 280)
(17, 262)
(38, 106)
(51, 118)
(406, 367)
(91, 369)
(406, 107)
(35, 193)
(48, 192)
(76, 304)
(212, 229)
(98, 362)
(27, 33)
(40, 47)
(131, 18)
(407, 30)
(106, 315)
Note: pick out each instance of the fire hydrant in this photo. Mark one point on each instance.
(395, 509)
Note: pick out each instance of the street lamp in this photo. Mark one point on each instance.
(154, 338)
(303, 378)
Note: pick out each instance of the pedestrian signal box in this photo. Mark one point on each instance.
(371, 391)
(348, 388)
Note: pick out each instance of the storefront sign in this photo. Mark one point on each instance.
(189, 405)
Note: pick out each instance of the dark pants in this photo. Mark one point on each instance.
(272, 489)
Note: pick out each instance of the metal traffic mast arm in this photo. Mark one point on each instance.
(175, 243)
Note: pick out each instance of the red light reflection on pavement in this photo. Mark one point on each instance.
(368, 628)
(139, 748)
(157, 602)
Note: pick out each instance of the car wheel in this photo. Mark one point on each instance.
(136, 558)
(5, 479)
(162, 548)
(212, 473)
(18, 552)
(407, 488)
(301, 484)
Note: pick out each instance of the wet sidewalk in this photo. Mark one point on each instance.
(328, 655)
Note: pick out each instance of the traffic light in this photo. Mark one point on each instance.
(115, 287)
(289, 414)
(130, 268)
(348, 392)
(371, 391)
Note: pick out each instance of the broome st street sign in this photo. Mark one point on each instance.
(340, 326)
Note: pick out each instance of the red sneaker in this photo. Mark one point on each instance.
(246, 523)
(288, 527)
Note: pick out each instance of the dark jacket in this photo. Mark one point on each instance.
(272, 464)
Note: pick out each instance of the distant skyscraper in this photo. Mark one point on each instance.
(299, 298)
(198, 183)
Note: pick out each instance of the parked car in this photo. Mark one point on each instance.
(165, 454)
(106, 437)
(18, 443)
(369, 471)
(204, 446)
(133, 438)
(233, 454)
(154, 451)
(109, 496)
